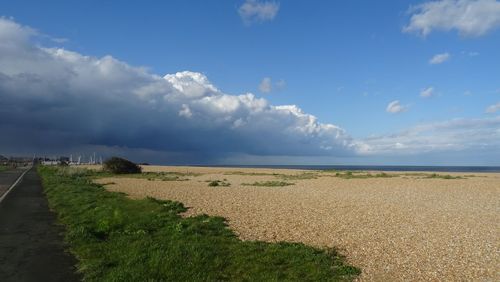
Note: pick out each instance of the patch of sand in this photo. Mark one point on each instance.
(399, 229)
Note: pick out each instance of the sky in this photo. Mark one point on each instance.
(253, 81)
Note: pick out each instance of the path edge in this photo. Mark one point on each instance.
(14, 184)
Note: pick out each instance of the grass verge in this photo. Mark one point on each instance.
(152, 176)
(119, 239)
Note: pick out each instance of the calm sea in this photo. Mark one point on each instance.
(376, 167)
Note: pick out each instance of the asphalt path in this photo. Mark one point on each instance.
(31, 242)
(7, 178)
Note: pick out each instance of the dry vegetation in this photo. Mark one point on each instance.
(394, 226)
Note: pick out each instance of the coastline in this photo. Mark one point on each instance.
(386, 168)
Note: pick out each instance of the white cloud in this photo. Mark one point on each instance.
(395, 107)
(73, 102)
(281, 84)
(468, 17)
(192, 84)
(493, 108)
(266, 85)
(448, 136)
(185, 111)
(12, 34)
(59, 40)
(67, 99)
(255, 11)
(427, 92)
(439, 58)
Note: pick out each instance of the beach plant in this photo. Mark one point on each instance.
(151, 176)
(351, 175)
(116, 238)
(443, 176)
(120, 166)
(253, 173)
(269, 183)
(300, 176)
(215, 183)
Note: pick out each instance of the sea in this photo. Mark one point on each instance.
(374, 167)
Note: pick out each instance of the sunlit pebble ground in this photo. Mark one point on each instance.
(400, 229)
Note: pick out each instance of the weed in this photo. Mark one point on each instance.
(252, 173)
(300, 176)
(351, 175)
(214, 183)
(269, 183)
(443, 176)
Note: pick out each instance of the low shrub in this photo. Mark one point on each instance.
(121, 166)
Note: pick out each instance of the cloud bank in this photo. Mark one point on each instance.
(59, 101)
(53, 97)
(457, 135)
(471, 18)
(493, 108)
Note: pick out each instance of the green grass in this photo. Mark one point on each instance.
(351, 175)
(269, 183)
(339, 171)
(3, 168)
(119, 239)
(163, 176)
(152, 176)
(435, 175)
(300, 176)
(443, 176)
(215, 183)
(252, 173)
(414, 174)
(360, 174)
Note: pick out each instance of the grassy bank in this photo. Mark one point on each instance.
(119, 239)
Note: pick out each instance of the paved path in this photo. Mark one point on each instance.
(7, 178)
(31, 244)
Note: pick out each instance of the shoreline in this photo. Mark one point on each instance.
(378, 168)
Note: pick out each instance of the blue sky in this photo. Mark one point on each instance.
(344, 62)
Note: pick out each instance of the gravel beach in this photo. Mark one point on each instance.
(409, 227)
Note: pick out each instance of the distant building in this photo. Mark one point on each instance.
(50, 162)
(64, 159)
(20, 159)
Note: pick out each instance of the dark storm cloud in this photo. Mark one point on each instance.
(58, 102)
(52, 98)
